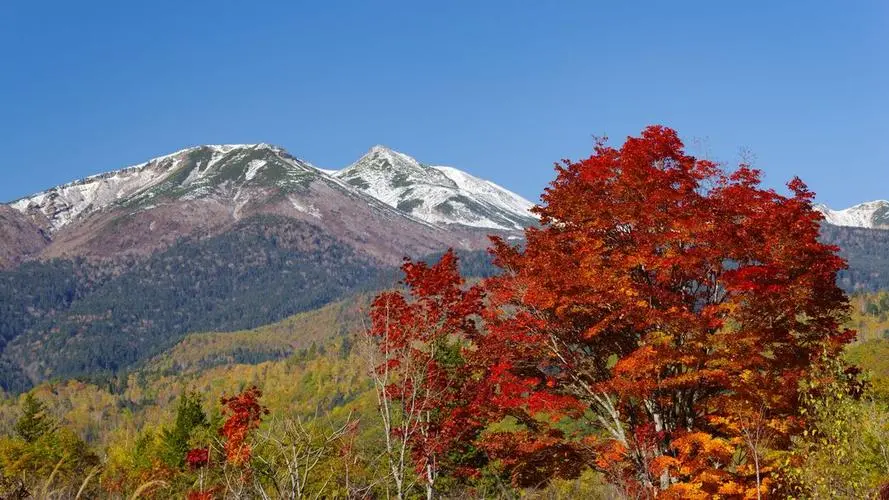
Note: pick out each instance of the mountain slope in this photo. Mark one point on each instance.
(20, 237)
(187, 174)
(443, 196)
(64, 319)
(871, 215)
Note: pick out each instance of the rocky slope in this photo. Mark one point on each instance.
(20, 237)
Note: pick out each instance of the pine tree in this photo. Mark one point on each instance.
(189, 416)
(35, 420)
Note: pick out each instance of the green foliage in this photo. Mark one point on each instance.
(45, 457)
(35, 421)
(843, 453)
(32, 294)
(190, 417)
(590, 485)
(873, 358)
(271, 342)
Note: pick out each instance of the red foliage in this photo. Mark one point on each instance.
(421, 337)
(244, 414)
(210, 494)
(675, 301)
(197, 458)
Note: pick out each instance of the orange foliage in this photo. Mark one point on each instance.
(244, 414)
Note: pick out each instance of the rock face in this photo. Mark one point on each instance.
(386, 205)
(20, 237)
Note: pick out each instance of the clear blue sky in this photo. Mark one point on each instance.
(501, 89)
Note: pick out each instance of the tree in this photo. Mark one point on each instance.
(243, 414)
(300, 456)
(421, 379)
(676, 305)
(189, 417)
(35, 420)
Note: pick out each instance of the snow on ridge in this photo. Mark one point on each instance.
(254, 166)
(437, 194)
(861, 215)
(63, 203)
(488, 190)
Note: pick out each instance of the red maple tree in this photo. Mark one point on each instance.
(197, 458)
(420, 338)
(676, 304)
(243, 414)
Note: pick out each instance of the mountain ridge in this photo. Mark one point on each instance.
(204, 190)
(438, 194)
(868, 215)
(192, 168)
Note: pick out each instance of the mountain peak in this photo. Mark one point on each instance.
(438, 195)
(190, 173)
(384, 157)
(870, 214)
(380, 148)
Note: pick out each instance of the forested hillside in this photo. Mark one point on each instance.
(867, 252)
(77, 318)
(65, 318)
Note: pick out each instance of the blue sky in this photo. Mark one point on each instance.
(501, 89)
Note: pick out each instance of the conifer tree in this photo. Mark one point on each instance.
(189, 417)
(35, 420)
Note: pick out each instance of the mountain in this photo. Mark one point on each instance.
(99, 274)
(871, 215)
(203, 191)
(443, 196)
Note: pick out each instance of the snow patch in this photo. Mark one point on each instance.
(254, 166)
(311, 210)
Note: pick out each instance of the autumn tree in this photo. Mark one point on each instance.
(672, 304)
(243, 415)
(417, 340)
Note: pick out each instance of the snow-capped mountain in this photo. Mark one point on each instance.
(186, 174)
(387, 204)
(872, 215)
(439, 195)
